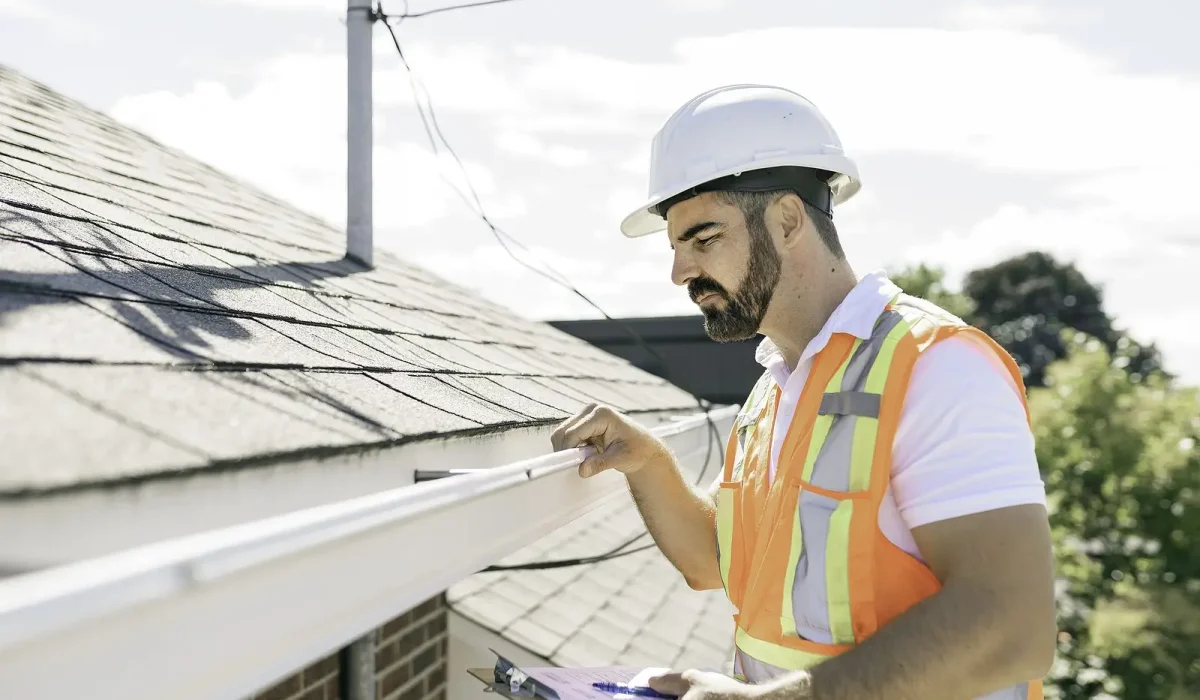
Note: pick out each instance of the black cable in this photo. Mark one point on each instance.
(430, 123)
(448, 8)
(613, 553)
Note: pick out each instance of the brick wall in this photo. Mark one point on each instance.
(410, 654)
(410, 662)
(317, 682)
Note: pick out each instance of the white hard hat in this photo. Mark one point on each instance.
(756, 133)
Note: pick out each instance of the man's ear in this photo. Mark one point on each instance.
(788, 217)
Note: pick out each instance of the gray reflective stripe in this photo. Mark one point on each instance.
(862, 359)
(756, 671)
(1016, 692)
(850, 403)
(831, 471)
(810, 605)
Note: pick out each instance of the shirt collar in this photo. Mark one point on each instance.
(856, 315)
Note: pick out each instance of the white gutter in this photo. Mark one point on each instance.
(224, 613)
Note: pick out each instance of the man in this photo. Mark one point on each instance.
(880, 524)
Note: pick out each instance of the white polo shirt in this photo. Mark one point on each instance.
(963, 444)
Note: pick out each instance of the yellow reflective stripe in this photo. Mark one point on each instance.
(862, 446)
(776, 655)
(823, 423)
(862, 452)
(837, 573)
(788, 624)
(725, 533)
(877, 376)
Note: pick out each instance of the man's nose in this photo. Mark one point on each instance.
(682, 269)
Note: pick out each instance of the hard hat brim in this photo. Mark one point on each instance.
(846, 183)
(643, 221)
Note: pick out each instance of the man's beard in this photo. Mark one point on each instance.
(744, 310)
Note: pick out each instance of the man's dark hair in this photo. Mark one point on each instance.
(754, 207)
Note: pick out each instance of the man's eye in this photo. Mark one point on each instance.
(705, 242)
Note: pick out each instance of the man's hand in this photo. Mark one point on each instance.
(681, 519)
(704, 685)
(620, 443)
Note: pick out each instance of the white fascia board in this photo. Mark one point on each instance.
(50, 530)
(223, 614)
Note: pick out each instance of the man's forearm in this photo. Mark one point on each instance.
(956, 644)
(681, 519)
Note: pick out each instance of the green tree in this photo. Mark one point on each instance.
(929, 283)
(1120, 455)
(1027, 301)
(1119, 449)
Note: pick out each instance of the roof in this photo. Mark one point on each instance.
(635, 610)
(158, 317)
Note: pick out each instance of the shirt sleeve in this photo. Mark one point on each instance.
(963, 444)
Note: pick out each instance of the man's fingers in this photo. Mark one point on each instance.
(691, 676)
(589, 430)
(558, 437)
(669, 684)
(602, 459)
(591, 466)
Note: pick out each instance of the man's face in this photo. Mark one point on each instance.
(730, 267)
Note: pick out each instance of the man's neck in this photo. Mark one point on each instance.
(803, 314)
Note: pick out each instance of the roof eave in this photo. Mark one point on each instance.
(309, 580)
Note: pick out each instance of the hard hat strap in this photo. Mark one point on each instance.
(809, 185)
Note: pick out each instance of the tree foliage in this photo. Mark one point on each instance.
(1026, 302)
(929, 283)
(1120, 455)
(1118, 444)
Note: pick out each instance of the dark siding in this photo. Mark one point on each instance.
(720, 372)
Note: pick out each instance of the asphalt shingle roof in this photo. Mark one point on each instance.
(158, 317)
(635, 610)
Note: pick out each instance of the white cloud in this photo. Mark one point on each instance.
(24, 9)
(524, 144)
(327, 5)
(287, 136)
(1161, 195)
(975, 15)
(62, 23)
(1026, 102)
(1006, 100)
(457, 77)
(697, 5)
(638, 163)
(1120, 146)
(622, 201)
(1097, 241)
(638, 285)
(1146, 279)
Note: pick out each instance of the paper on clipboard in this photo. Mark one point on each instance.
(576, 683)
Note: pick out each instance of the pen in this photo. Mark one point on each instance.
(640, 691)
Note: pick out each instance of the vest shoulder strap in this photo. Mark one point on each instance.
(755, 401)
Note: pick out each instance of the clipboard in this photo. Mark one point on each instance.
(507, 680)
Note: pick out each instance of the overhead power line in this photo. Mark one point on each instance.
(449, 8)
(434, 133)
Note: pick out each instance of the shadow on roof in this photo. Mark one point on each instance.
(173, 307)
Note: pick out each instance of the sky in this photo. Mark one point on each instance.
(981, 129)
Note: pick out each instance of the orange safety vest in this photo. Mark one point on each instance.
(802, 558)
